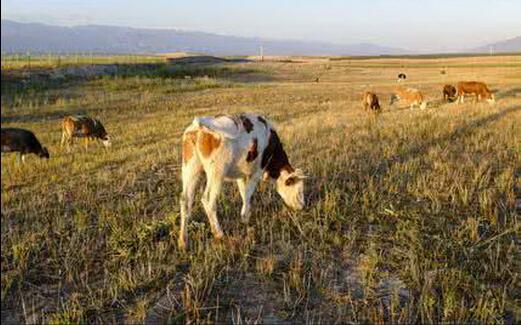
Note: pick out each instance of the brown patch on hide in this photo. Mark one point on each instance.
(252, 152)
(274, 158)
(246, 123)
(188, 145)
(207, 143)
(263, 121)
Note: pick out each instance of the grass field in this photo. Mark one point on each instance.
(412, 219)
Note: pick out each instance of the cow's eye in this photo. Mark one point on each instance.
(290, 181)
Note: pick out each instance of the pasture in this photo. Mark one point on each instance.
(414, 214)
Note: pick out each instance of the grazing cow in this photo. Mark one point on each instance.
(476, 88)
(22, 141)
(370, 100)
(242, 148)
(401, 77)
(83, 127)
(410, 96)
(449, 93)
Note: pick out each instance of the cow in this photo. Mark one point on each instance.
(401, 77)
(22, 141)
(85, 127)
(476, 88)
(370, 100)
(449, 93)
(244, 148)
(410, 96)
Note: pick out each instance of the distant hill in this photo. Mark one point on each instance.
(509, 45)
(35, 37)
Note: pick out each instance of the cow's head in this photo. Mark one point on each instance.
(290, 186)
(491, 99)
(44, 153)
(102, 134)
(376, 105)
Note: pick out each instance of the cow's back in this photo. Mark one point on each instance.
(410, 95)
(227, 138)
(14, 139)
(472, 87)
(79, 125)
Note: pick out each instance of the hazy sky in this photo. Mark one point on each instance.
(412, 24)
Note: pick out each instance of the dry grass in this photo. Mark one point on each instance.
(25, 61)
(413, 217)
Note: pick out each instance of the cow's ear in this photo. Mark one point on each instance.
(299, 173)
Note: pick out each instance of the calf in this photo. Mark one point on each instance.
(449, 93)
(22, 141)
(476, 88)
(83, 127)
(242, 148)
(410, 96)
(370, 100)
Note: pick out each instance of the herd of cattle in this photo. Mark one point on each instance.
(414, 97)
(244, 148)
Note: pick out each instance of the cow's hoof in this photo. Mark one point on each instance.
(218, 234)
(182, 244)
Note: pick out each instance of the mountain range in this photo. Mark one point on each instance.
(42, 38)
(509, 45)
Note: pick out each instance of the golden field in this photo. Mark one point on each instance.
(412, 219)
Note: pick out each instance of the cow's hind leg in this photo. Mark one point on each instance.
(191, 174)
(214, 184)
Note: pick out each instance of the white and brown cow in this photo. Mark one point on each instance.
(81, 126)
(410, 96)
(242, 148)
(476, 88)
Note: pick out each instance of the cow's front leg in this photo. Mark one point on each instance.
(86, 143)
(211, 193)
(246, 189)
(21, 158)
(64, 140)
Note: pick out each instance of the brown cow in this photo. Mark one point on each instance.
(410, 96)
(370, 100)
(85, 127)
(476, 88)
(449, 93)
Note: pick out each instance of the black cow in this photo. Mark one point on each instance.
(22, 141)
